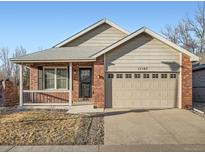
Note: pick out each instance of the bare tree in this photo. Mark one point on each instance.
(6, 66)
(197, 26)
(171, 33)
(9, 70)
(189, 33)
(181, 34)
(19, 51)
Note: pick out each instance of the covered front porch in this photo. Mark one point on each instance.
(65, 76)
(58, 85)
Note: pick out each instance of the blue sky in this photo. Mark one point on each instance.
(40, 25)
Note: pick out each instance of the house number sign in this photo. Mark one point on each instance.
(142, 68)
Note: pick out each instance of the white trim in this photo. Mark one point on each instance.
(45, 91)
(116, 26)
(53, 61)
(21, 85)
(140, 71)
(90, 28)
(55, 77)
(180, 82)
(105, 80)
(85, 66)
(70, 84)
(151, 33)
(45, 104)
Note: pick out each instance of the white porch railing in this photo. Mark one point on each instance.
(42, 97)
(45, 96)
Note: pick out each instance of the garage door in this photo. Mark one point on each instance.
(141, 90)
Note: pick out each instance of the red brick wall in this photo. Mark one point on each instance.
(186, 82)
(99, 88)
(33, 78)
(10, 93)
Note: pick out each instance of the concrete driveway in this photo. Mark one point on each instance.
(170, 126)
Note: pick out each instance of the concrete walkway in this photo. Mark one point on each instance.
(96, 148)
(170, 126)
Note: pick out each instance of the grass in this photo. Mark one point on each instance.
(43, 127)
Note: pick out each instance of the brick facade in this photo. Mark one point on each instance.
(33, 78)
(186, 82)
(8, 93)
(99, 85)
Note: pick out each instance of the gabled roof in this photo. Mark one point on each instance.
(151, 33)
(64, 54)
(89, 29)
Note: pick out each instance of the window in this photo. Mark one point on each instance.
(173, 75)
(49, 78)
(119, 76)
(137, 75)
(61, 78)
(155, 76)
(55, 78)
(145, 75)
(128, 75)
(163, 75)
(110, 76)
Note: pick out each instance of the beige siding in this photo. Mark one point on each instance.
(143, 52)
(103, 35)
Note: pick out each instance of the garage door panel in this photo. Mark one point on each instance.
(129, 91)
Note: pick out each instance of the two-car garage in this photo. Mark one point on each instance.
(141, 90)
(142, 73)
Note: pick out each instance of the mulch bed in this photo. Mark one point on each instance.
(44, 127)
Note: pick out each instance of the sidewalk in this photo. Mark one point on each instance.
(96, 148)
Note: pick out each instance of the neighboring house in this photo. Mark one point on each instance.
(109, 67)
(199, 80)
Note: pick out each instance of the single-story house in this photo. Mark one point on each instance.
(107, 66)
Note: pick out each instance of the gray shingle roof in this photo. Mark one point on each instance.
(60, 54)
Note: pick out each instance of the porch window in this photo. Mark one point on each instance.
(49, 78)
(55, 78)
(61, 78)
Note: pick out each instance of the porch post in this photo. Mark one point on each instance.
(21, 85)
(70, 84)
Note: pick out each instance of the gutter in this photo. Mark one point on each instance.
(52, 61)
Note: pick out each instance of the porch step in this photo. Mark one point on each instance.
(82, 103)
(84, 109)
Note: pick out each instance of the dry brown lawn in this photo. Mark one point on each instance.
(43, 127)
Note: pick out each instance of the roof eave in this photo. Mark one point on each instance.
(20, 61)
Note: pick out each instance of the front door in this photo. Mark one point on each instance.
(85, 82)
